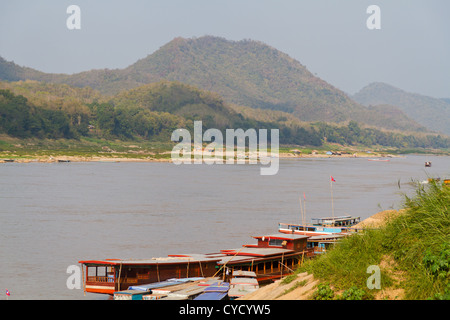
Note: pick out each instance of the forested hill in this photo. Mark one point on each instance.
(31, 109)
(247, 73)
(430, 112)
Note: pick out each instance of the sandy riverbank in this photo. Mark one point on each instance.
(119, 158)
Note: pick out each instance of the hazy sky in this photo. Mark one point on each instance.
(411, 50)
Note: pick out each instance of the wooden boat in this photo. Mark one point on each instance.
(271, 258)
(242, 283)
(428, 164)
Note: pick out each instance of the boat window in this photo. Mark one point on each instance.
(101, 271)
(275, 242)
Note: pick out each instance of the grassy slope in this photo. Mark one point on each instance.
(412, 251)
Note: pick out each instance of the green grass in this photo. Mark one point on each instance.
(418, 241)
(85, 147)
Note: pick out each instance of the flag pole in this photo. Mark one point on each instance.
(332, 202)
(304, 209)
(301, 210)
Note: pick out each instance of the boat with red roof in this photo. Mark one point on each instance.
(272, 257)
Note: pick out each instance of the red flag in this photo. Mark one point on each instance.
(304, 197)
(332, 179)
(7, 293)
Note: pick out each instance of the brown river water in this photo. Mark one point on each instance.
(54, 214)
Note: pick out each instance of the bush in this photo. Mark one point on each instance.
(324, 292)
(354, 293)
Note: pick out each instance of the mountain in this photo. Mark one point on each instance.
(430, 112)
(246, 72)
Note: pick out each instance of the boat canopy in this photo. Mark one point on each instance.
(161, 284)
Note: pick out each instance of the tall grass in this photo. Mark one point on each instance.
(423, 231)
(418, 241)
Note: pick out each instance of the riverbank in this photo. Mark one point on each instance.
(303, 285)
(91, 149)
(162, 157)
(402, 254)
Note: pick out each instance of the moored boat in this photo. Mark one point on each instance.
(321, 226)
(242, 283)
(271, 258)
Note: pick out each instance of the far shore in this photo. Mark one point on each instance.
(121, 158)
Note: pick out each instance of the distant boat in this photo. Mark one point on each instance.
(383, 160)
(322, 226)
(428, 164)
(63, 160)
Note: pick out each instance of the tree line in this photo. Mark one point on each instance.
(111, 120)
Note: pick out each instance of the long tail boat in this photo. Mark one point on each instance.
(271, 258)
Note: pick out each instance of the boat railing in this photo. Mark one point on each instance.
(319, 250)
(101, 279)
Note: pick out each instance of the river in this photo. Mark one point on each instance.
(54, 214)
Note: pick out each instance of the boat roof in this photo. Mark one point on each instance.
(283, 236)
(336, 218)
(211, 296)
(246, 253)
(246, 250)
(242, 273)
(325, 237)
(164, 260)
(244, 281)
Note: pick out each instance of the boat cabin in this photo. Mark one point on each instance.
(342, 221)
(320, 243)
(272, 257)
(309, 230)
(285, 241)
